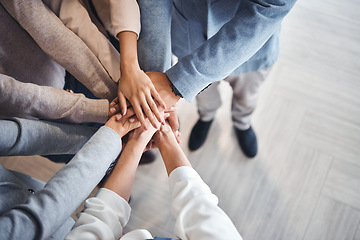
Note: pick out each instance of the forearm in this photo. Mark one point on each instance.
(128, 51)
(27, 99)
(172, 155)
(65, 190)
(195, 208)
(122, 177)
(62, 45)
(18, 136)
(239, 39)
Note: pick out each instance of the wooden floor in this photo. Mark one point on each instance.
(305, 181)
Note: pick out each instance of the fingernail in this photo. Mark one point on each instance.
(112, 104)
(118, 117)
(112, 110)
(173, 108)
(162, 120)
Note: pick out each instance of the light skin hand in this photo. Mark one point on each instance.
(122, 177)
(135, 85)
(114, 107)
(172, 154)
(124, 125)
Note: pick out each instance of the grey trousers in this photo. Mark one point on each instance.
(245, 93)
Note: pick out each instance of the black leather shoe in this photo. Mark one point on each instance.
(247, 141)
(198, 134)
(147, 157)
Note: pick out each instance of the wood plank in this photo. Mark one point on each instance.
(343, 183)
(332, 135)
(282, 207)
(333, 220)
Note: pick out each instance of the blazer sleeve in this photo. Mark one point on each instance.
(195, 208)
(239, 39)
(28, 99)
(46, 210)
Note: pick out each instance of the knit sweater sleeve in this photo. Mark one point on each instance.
(28, 99)
(62, 45)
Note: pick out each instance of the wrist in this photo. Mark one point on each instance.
(167, 142)
(129, 66)
(137, 142)
(141, 139)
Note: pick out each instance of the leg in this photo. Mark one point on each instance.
(245, 87)
(245, 93)
(208, 101)
(154, 44)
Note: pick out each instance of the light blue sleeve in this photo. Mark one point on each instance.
(237, 41)
(46, 210)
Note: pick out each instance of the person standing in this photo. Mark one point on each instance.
(235, 40)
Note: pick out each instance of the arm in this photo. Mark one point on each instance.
(193, 205)
(135, 85)
(18, 136)
(62, 45)
(106, 214)
(27, 99)
(238, 40)
(45, 211)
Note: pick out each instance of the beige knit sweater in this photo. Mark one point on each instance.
(36, 47)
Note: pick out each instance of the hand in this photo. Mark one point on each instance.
(165, 135)
(173, 118)
(124, 125)
(137, 87)
(114, 107)
(162, 85)
(142, 135)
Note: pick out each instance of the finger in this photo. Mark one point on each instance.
(158, 98)
(166, 115)
(139, 113)
(118, 117)
(177, 136)
(171, 109)
(114, 102)
(134, 123)
(129, 113)
(115, 109)
(173, 121)
(123, 104)
(154, 108)
(149, 113)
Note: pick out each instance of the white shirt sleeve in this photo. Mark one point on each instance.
(195, 208)
(103, 217)
(119, 15)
